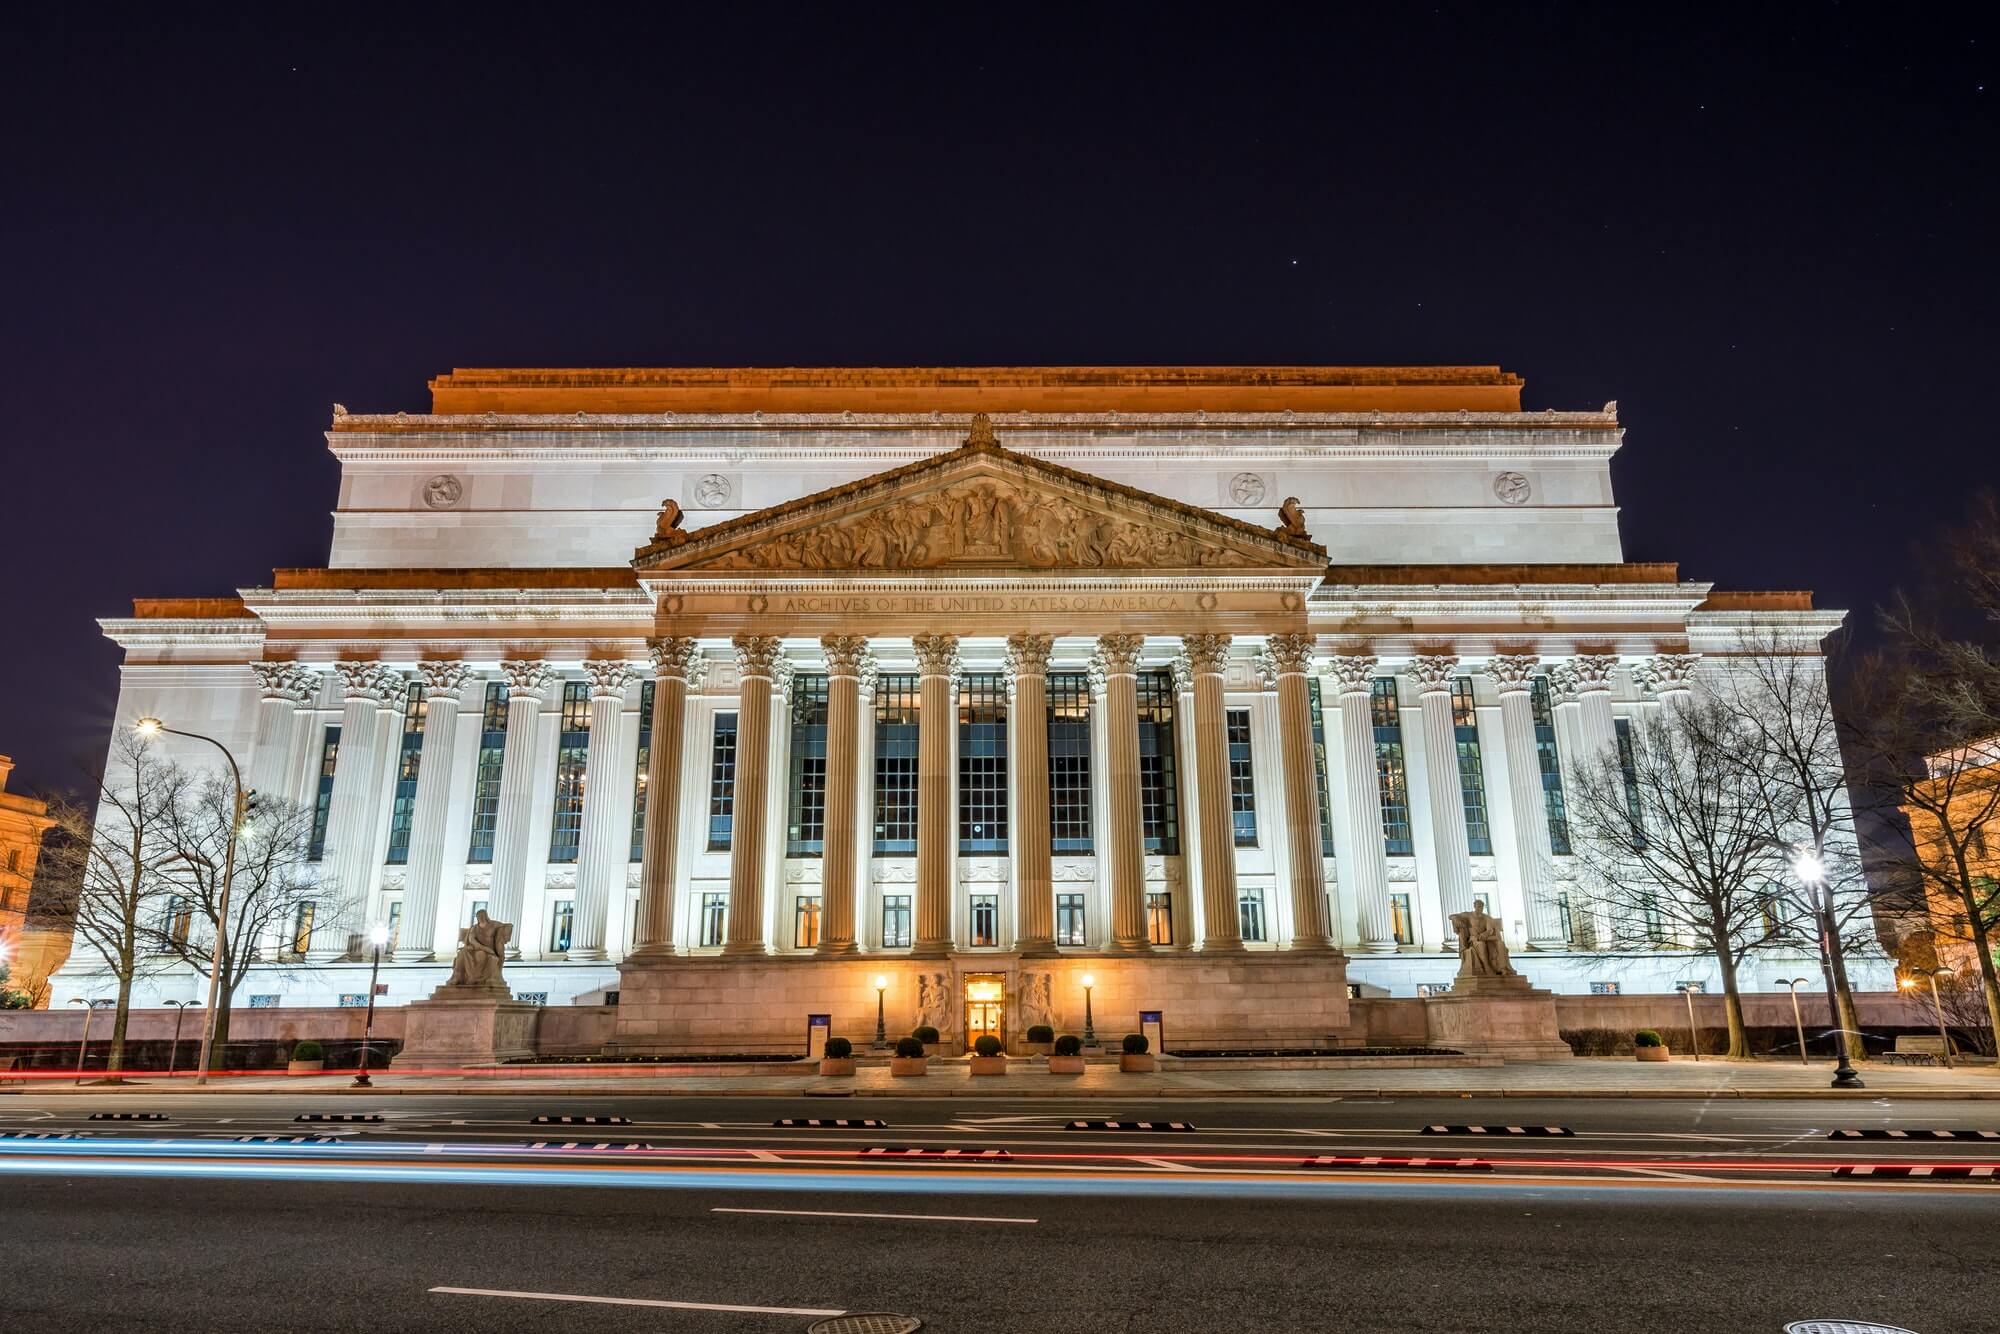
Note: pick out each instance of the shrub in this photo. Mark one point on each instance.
(1646, 1037)
(308, 1050)
(839, 1049)
(908, 1047)
(986, 1045)
(1041, 1033)
(924, 1033)
(1136, 1044)
(1069, 1044)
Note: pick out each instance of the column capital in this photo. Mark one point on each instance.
(1563, 684)
(678, 656)
(758, 655)
(444, 678)
(1290, 654)
(608, 677)
(1592, 671)
(1432, 672)
(843, 654)
(1183, 669)
(1119, 654)
(1667, 673)
(869, 673)
(370, 680)
(1208, 653)
(1354, 674)
(286, 680)
(1028, 655)
(527, 674)
(1512, 673)
(937, 655)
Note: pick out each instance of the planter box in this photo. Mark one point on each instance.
(1652, 1053)
(305, 1067)
(1039, 1048)
(836, 1065)
(989, 1065)
(902, 1067)
(1144, 1064)
(1065, 1065)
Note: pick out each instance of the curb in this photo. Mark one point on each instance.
(1008, 1095)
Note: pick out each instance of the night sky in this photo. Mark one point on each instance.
(1767, 232)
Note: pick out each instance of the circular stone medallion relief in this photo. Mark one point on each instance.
(712, 491)
(443, 491)
(1512, 488)
(1246, 488)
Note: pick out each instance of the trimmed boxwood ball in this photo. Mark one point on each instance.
(908, 1047)
(924, 1033)
(839, 1049)
(1646, 1037)
(1041, 1033)
(986, 1045)
(1136, 1044)
(1069, 1044)
(308, 1050)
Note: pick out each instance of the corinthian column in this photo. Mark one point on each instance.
(1222, 928)
(843, 811)
(1513, 676)
(284, 689)
(1671, 676)
(1312, 929)
(937, 656)
(757, 661)
(526, 683)
(373, 696)
(677, 665)
(1125, 841)
(446, 695)
(1034, 890)
(1433, 673)
(1366, 872)
(605, 842)
(1589, 676)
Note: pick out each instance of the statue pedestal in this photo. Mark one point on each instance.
(1496, 1016)
(468, 1026)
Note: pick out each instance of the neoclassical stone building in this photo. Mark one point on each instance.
(1224, 686)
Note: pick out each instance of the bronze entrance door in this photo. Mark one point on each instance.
(985, 1007)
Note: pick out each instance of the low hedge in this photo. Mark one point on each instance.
(838, 1049)
(924, 1033)
(1041, 1033)
(910, 1046)
(307, 1050)
(1069, 1044)
(1136, 1044)
(1646, 1037)
(986, 1045)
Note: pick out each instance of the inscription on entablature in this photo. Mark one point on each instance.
(919, 604)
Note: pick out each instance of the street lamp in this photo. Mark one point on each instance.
(1937, 1008)
(378, 936)
(83, 1047)
(174, 1052)
(1688, 989)
(881, 1033)
(1811, 871)
(1089, 1022)
(152, 727)
(1797, 1022)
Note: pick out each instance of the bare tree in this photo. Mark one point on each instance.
(1672, 845)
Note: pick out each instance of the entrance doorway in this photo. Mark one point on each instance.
(985, 1006)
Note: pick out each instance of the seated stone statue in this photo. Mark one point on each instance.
(482, 947)
(1482, 952)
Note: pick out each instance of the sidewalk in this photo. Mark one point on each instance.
(1581, 1078)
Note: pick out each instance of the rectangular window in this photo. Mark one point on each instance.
(643, 765)
(1471, 771)
(895, 921)
(486, 779)
(416, 709)
(1656, 924)
(1401, 923)
(805, 830)
(1242, 781)
(179, 920)
(1604, 988)
(1319, 766)
(982, 763)
(985, 919)
(473, 909)
(329, 756)
(805, 921)
(572, 754)
(1628, 767)
(1069, 920)
(561, 922)
(1160, 916)
(302, 928)
(714, 918)
(1250, 913)
(897, 702)
(1563, 912)
(722, 784)
(1551, 763)
(1069, 762)
(1386, 714)
(394, 910)
(1159, 795)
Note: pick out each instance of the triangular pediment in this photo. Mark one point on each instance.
(979, 507)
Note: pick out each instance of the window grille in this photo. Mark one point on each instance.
(895, 921)
(805, 921)
(1069, 762)
(1069, 920)
(1242, 780)
(642, 767)
(402, 812)
(714, 918)
(722, 784)
(1551, 765)
(561, 922)
(1250, 913)
(1386, 714)
(985, 919)
(1401, 923)
(1159, 797)
(1471, 770)
(805, 834)
(572, 754)
(1319, 766)
(982, 763)
(329, 757)
(1160, 916)
(898, 701)
(1628, 767)
(486, 778)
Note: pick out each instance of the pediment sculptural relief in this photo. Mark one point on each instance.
(984, 521)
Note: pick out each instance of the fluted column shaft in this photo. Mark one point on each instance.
(1433, 674)
(1034, 906)
(936, 850)
(1513, 677)
(526, 682)
(367, 722)
(756, 664)
(1365, 874)
(676, 661)
(1589, 676)
(1222, 926)
(843, 809)
(285, 690)
(1312, 926)
(450, 688)
(605, 839)
(1125, 838)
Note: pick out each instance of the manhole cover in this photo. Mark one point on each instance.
(1843, 1327)
(867, 1322)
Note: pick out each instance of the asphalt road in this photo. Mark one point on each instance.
(176, 1226)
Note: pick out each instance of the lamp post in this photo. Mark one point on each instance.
(1811, 871)
(378, 936)
(174, 1052)
(881, 1033)
(1687, 989)
(83, 1047)
(1089, 1021)
(1797, 1022)
(151, 727)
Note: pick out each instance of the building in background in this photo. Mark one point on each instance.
(1958, 809)
(23, 821)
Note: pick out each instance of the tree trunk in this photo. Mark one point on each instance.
(1987, 981)
(115, 1059)
(1732, 1001)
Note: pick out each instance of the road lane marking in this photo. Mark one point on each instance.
(841, 1213)
(640, 1301)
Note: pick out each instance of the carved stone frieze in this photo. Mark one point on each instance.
(1352, 674)
(1070, 871)
(1208, 654)
(608, 677)
(757, 655)
(561, 877)
(803, 871)
(1433, 672)
(1512, 673)
(1402, 871)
